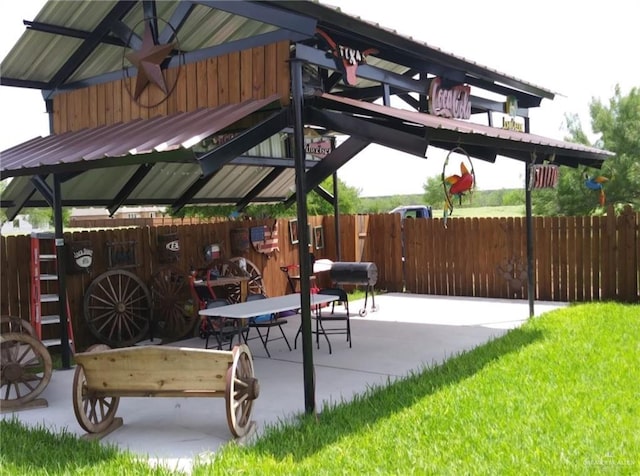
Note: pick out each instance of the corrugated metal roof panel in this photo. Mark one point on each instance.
(159, 134)
(504, 138)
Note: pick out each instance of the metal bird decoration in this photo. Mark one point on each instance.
(456, 185)
(596, 184)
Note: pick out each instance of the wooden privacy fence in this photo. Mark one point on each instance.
(577, 258)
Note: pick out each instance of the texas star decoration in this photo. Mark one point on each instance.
(148, 60)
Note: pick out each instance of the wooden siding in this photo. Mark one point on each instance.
(250, 74)
(578, 259)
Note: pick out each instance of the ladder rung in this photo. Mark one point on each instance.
(47, 257)
(54, 342)
(51, 319)
(49, 298)
(48, 277)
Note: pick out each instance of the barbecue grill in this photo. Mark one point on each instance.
(361, 274)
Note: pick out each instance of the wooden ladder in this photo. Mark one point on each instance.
(45, 297)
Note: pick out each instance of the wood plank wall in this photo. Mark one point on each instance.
(577, 258)
(255, 73)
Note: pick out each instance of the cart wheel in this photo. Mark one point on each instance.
(255, 284)
(228, 268)
(25, 367)
(362, 312)
(172, 303)
(241, 390)
(16, 324)
(117, 307)
(94, 414)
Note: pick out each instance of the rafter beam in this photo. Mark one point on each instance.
(129, 187)
(255, 191)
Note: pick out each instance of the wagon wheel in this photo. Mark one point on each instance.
(117, 307)
(94, 414)
(255, 284)
(228, 268)
(25, 368)
(172, 303)
(241, 390)
(16, 324)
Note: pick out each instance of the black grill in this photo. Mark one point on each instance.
(361, 274)
(364, 274)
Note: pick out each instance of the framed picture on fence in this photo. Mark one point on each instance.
(293, 231)
(318, 237)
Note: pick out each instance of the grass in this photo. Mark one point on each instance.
(560, 395)
(484, 212)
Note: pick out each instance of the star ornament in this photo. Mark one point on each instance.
(148, 60)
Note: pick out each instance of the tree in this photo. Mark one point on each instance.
(619, 126)
(348, 199)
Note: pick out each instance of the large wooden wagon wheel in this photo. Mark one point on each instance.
(16, 324)
(241, 390)
(25, 367)
(172, 302)
(95, 414)
(255, 285)
(229, 268)
(117, 307)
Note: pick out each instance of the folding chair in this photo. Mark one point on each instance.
(265, 321)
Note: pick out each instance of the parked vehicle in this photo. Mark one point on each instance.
(414, 211)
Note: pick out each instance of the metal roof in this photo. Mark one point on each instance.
(69, 43)
(517, 145)
(160, 154)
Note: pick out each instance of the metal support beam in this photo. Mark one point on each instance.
(297, 105)
(255, 191)
(129, 187)
(62, 274)
(43, 187)
(336, 215)
(365, 130)
(69, 32)
(21, 200)
(324, 194)
(332, 162)
(529, 218)
(219, 157)
(118, 12)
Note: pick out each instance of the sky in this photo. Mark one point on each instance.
(579, 50)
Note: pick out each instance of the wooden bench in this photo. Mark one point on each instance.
(103, 375)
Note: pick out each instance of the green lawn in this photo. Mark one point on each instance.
(484, 212)
(560, 395)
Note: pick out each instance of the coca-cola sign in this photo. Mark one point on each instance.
(453, 103)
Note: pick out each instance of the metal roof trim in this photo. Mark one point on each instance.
(437, 122)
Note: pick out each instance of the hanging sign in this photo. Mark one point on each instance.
(347, 59)
(453, 103)
(319, 149)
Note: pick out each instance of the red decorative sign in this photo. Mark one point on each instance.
(347, 59)
(318, 149)
(453, 103)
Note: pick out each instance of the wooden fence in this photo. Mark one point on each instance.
(577, 258)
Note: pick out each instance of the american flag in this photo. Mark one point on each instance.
(545, 176)
(264, 238)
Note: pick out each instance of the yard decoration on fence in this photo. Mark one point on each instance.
(457, 185)
(264, 238)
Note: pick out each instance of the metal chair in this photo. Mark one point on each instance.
(220, 327)
(321, 319)
(265, 321)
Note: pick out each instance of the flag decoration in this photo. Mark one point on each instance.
(545, 176)
(264, 239)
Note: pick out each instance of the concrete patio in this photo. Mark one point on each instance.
(406, 333)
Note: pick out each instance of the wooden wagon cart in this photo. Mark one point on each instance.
(103, 375)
